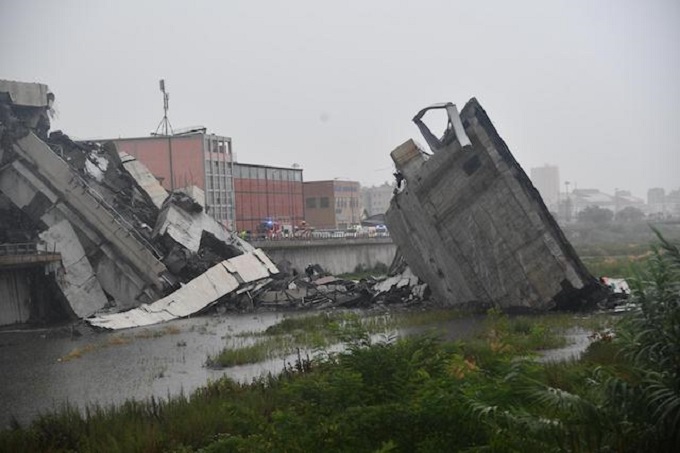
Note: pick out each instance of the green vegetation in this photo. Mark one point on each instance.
(618, 249)
(319, 331)
(300, 332)
(424, 395)
(617, 267)
(361, 272)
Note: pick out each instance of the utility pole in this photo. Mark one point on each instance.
(567, 202)
(166, 129)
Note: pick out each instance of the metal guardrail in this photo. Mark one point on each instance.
(23, 248)
(318, 237)
(26, 254)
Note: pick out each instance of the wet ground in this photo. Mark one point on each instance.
(578, 340)
(44, 369)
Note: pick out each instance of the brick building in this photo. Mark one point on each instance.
(332, 204)
(267, 198)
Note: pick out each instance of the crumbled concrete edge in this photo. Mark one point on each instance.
(233, 275)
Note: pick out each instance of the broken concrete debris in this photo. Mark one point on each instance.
(114, 225)
(470, 223)
(144, 179)
(236, 275)
(75, 276)
(319, 290)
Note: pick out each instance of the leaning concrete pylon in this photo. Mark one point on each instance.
(470, 223)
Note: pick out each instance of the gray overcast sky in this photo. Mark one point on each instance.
(590, 86)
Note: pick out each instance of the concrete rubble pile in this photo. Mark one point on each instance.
(124, 242)
(469, 222)
(317, 289)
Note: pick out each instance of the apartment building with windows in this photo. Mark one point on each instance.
(376, 199)
(547, 180)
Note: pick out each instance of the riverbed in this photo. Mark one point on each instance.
(42, 370)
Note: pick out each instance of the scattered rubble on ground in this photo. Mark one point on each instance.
(319, 290)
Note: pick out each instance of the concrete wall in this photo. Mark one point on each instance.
(15, 304)
(336, 256)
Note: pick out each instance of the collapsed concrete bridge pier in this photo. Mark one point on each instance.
(472, 226)
(115, 230)
(46, 188)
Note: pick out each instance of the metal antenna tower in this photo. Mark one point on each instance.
(164, 126)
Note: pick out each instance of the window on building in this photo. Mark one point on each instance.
(324, 202)
(310, 203)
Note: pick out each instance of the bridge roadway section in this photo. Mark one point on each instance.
(335, 255)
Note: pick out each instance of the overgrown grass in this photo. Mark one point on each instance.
(319, 331)
(617, 267)
(380, 269)
(316, 331)
(613, 249)
(258, 352)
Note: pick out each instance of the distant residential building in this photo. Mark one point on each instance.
(584, 198)
(581, 199)
(196, 158)
(624, 199)
(656, 201)
(547, 180)
(332, 204)
(376, 199)
(268, 198)
(673, 202)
